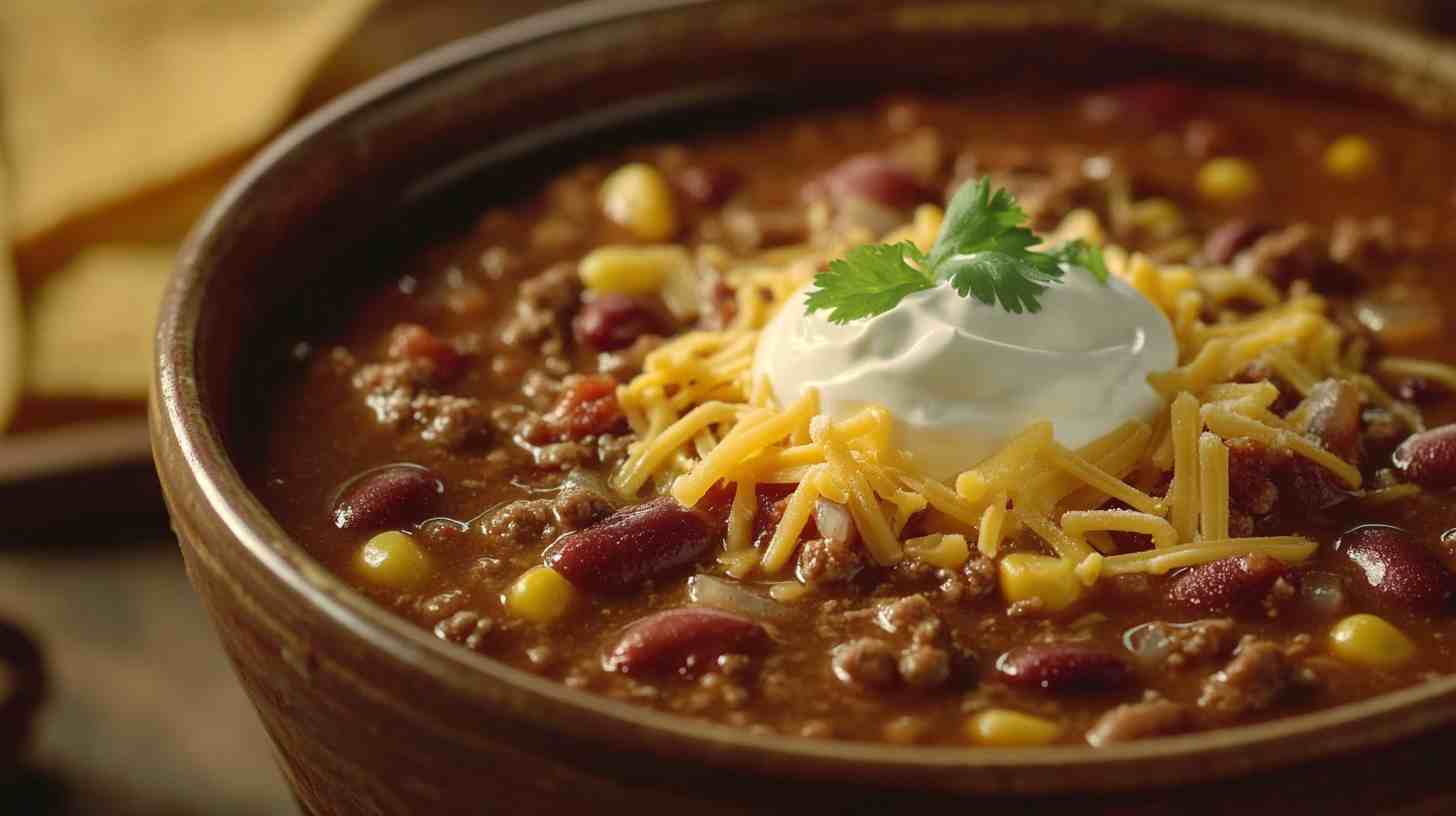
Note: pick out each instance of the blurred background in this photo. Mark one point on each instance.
(119, 121)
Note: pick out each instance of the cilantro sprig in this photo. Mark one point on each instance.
(984, 250)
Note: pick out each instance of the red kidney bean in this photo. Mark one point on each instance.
(614, 321)
(1063, 667)
(1392, 569)
(1154, 103)
(707, 186)
(386, 496)
(1334, 417)
(687, 641)
(1227, 585)
(1206, 138)
(409, 341)
(1419, 390)
(875, 178)
(1232, 237)
(1429, 458)
(633, 545)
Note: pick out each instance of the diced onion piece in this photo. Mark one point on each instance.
(731, 596)
(1400, 315)
(833, 521)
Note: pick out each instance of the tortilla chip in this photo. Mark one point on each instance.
(106, 100)
(91, 323)
(12, 340)
(160, 216)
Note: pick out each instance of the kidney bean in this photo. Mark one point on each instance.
(1392, 569)
(410, 341)
(686, 641)
(386, 496)
(1152, 103)
(1063, 667)
(633, 545)
(707, 186)
(1334, 417)
(872, 177)
(614, 321)
(1429, 458)
(1206, 138)
(1232, 237)
(1227, 585)
(1420, 390)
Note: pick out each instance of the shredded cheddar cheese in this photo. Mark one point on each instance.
(700, 423)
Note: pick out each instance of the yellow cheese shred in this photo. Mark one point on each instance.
(1228, 424)
(796, 517)
(742, 442)
(988, 539)
(1065, 545)
(1213, 484)
(1005, 467)
(1079, 523)
(1183, 492)
(1440, 373)
(740, 515)
(1102, 480)
(1289, 549)
(641, 464)
(864, 507)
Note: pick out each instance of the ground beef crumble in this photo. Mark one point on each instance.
(1257, 676)
(829, 561)
(1154, 717)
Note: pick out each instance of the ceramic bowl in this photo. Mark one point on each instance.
(371, 715)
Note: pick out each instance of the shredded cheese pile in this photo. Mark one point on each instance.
(700, 421)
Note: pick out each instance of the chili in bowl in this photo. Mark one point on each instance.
(1070, 412)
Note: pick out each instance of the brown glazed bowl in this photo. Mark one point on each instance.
(372, 715)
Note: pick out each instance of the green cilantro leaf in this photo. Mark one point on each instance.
(1079, 253)
(979, 218)
(871, 279)
(993, 276)
(984, 250)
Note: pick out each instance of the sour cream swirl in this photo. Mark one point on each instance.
(961, 377)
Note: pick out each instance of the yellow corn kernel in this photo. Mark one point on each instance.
(1158, 217)
(1368, 640)
(1227, 179)
(1350, 157)
(540, 595)
(1006, 728)
(631, 270)
(945, 550)
(392, 559)
(637, 197)
(1028, 576)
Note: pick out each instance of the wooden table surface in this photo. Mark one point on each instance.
(144, 715)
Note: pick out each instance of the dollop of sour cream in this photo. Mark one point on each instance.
(961, 378)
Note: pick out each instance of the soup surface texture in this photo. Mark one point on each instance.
(546, 437)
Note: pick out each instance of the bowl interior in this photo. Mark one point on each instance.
(490, 112)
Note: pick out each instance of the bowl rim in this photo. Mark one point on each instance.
(180, 418)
